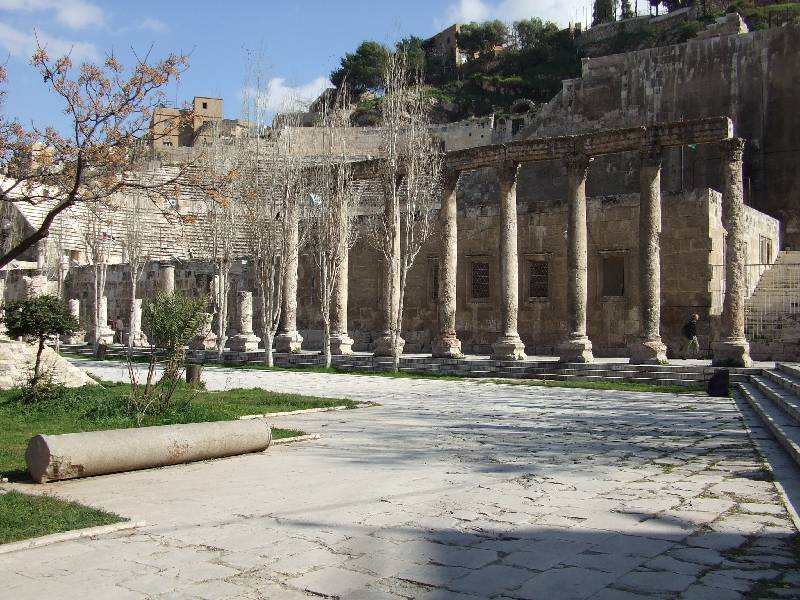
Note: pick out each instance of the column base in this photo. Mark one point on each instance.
(105, 336)
(206, 341)
(244, 342)
(731, 352)
(76, 338)
(341, 344)
(648, 351)
(383, 345)
(576, 350)
(139, 340)
(447, 346)
(288, 341)
(509, 347)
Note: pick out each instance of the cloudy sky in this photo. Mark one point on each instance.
(301, 41)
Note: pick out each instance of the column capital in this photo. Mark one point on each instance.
(576, 161)
(450, 178)
(651, 155)
(732, 149)
(507, 171)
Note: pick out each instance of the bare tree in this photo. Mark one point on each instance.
(97, 241)
(410, 177)
(135, 254)
(330, 218)
(270, 182)
(223, 213)
(110, 113)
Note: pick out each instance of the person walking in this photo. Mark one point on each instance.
(692, 345)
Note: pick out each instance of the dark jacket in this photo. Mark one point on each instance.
(690, 329)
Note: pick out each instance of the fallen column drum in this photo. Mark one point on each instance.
(73, 455)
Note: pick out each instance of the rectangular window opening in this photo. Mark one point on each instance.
(613, 276)
(480, 280)
(538, 271)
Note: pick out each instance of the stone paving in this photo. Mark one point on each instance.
(447, 490)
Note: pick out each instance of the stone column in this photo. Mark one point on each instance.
(576, 347)
(77, 337)
(136, 336)
(391, 277)
(288, 338)
(447, 344)
(732, 349)
(649, 349)
(341, 343)
(167, 271)
(509, 346)
(105, 335)
(245, 340)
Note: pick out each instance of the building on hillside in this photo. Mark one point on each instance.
(171, 128)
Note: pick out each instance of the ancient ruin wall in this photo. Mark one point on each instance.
(750, 77)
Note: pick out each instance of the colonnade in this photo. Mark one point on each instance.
(576, 153)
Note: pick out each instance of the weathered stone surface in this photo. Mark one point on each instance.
(447, 344)
(205, 339)
(649, 349)
(73, 455)
(509, 346)
(733, 349)
(245, 340)
(577, 347)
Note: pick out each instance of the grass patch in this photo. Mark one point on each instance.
(94, 408)
(23, 516)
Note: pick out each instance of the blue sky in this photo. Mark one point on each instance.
(301, 41)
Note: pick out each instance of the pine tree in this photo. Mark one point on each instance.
(603, 11)
(627, 9)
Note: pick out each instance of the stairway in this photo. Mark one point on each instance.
(775, 396)
(772, 312)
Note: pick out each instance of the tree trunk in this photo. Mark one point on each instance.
(326, 343)
(132, 311)
(37, 367)
(268, 357)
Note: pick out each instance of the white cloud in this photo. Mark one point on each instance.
(152, 24)
(560, 11)
(280, 97)
(22, 44)
(75, 14)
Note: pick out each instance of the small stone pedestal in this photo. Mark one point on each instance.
(245, 340)
(732, 352)
(205, 339)
(648, 352)
(341, 344)
(509, 347)
(576, 350)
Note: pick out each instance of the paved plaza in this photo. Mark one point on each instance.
(448, 489)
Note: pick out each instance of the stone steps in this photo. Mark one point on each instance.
(783, 426)
(774, 395)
